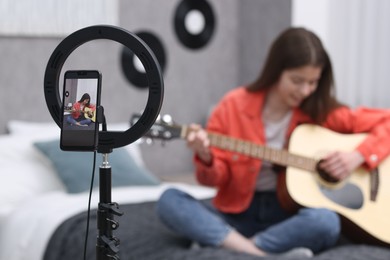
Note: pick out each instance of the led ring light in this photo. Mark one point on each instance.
(107, 139)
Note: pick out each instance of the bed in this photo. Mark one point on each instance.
(44, 195)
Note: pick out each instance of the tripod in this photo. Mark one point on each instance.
(107, 246)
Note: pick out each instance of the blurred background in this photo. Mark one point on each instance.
(205, 48)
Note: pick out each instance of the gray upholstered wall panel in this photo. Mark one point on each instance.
(22, 65)
(194, 79)
(260, 22)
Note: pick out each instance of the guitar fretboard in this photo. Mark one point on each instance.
(277, 156)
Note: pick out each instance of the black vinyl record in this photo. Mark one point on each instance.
(189, 39)
(133, 74)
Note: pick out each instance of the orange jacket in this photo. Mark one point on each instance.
(238, 115)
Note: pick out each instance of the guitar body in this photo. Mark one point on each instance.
(89, 113)
(362, 201)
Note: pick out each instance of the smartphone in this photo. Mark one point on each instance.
(80, 102)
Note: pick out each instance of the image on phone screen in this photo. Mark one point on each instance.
(81, 97)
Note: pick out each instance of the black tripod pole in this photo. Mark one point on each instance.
(107, 246)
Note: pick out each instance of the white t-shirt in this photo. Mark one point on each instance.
(275, 134)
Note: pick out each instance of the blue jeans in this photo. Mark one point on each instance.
(73, 121)
(274, 229)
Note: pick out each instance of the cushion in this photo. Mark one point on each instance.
(75, 168)
(31, 128)
(25, 173)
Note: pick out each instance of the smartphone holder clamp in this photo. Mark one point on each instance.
(107, 245)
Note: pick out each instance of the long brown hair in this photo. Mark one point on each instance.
(297, 47)
(84, 97)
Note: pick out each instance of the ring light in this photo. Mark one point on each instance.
(107, 139)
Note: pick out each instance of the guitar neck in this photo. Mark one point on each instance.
(277, 156)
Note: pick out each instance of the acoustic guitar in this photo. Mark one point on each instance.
(362, 200)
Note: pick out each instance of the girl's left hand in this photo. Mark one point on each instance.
(340, 165)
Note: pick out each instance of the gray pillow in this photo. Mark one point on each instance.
(75, 168)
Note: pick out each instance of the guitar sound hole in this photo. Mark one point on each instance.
(325, 175)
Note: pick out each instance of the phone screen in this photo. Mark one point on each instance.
(81, 98)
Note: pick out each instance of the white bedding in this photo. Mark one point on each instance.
(27, 230)
(33, 199)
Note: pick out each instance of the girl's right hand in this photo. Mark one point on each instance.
(199, 142)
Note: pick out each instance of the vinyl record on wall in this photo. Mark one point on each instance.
(132, 67)
(194, 23)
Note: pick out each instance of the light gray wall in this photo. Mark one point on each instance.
(259, 23)
(194, 79)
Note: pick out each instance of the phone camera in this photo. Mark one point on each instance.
(66, 93)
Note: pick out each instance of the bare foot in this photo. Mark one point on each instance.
(237, 242)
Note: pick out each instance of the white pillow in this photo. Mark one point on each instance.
(25, 172)
(40, 131)
(33, 129)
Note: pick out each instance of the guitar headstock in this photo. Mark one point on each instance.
(163, 129)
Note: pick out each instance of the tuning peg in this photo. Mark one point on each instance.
(149, 141)
(154, 132)
(167, 119)
(167, 135)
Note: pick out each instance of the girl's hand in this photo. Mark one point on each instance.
(340, 165)
(199, 142)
